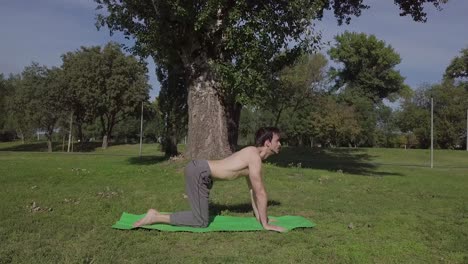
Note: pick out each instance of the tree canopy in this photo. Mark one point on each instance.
(230, 50)
(369, 66)
(105, 84)
(458, 69)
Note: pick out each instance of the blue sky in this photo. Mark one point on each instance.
(42, 31)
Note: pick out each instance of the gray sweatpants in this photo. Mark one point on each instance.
(198, 183)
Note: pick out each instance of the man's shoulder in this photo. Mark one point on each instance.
(250, 152)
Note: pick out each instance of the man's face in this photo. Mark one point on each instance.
(275, 144)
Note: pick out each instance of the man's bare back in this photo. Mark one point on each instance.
(233, 166)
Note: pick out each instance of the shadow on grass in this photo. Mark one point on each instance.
(147, 160)
(217, 209)
(353, 161)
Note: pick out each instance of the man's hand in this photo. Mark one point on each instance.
(274, 228)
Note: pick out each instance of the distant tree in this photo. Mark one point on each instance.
(82, 96)
(229, 50)
(368, 66)
(367, 77)
(4, 94)
(296, 86)
(449, 115)
(457, 71)
(15, 112)
(450, 104)
(106, 84)
(414, 117)
(40, 96)
(387, 129)
(7, 89)
(172, 102)
(154, 126)
(335, 123)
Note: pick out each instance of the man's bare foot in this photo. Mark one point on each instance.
(150, 218)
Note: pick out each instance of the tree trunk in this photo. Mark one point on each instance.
(208, 136)
(233, 112)
(104, 142)
(49, 141)
(21, 135)
(79, 127)
(49, 145)
(170, 137)
(278, 115)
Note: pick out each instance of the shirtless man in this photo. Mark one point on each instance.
(199, 175)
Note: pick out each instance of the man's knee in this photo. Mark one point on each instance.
(202, 221)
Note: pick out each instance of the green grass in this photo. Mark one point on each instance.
(370, 206)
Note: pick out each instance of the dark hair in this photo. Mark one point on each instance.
(265, 133)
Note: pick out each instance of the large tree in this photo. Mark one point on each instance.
(228, 49)
(367, 76)
(106, 84)
(368, 66)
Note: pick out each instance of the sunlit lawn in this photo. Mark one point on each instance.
(370, 206)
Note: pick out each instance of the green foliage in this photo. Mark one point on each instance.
(368, 66)
(153, 128)
(6, 92)
(335, 123)
(237, 46)
(450, 106)
(172, 104)
(368, 76)
(449, 115)
(297, 86)
(105, 84)
(38, 99)
(243, 43)
(458, 69)
(387, 128)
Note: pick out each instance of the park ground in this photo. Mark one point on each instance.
(370, 206)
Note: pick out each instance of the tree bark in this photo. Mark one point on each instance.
(208, 136)
(104, 142)
(49, 141)
(170, 137)
(233, 111)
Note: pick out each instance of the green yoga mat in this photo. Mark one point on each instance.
(219, 223)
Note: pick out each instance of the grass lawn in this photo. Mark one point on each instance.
(370, 206)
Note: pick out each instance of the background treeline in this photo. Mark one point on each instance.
(98, 92)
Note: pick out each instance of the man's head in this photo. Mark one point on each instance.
(268, 137)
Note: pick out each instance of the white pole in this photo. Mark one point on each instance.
(141, 128)
(70, 133)
(432, 132)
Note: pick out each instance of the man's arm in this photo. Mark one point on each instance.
(260, 195)
(252, 198)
